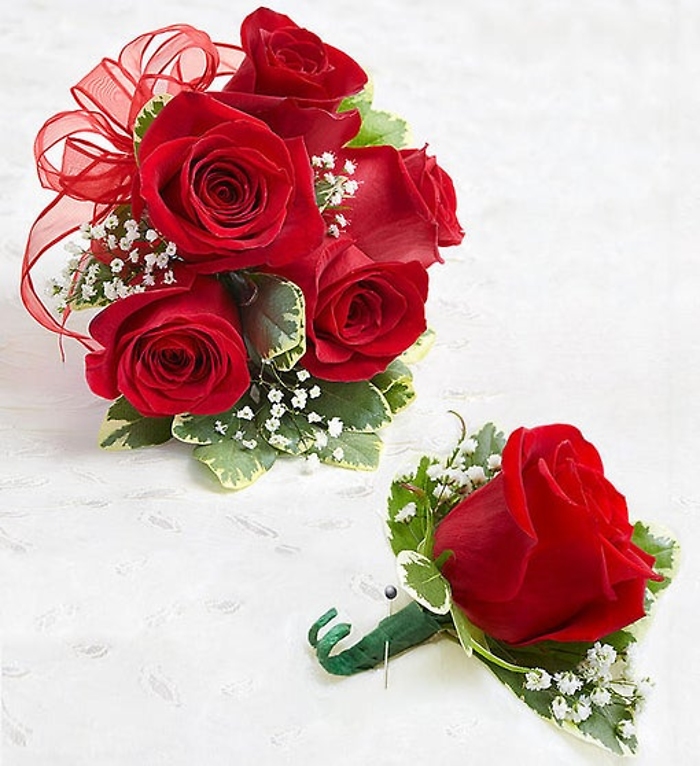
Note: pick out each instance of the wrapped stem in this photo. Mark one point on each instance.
(409, 627)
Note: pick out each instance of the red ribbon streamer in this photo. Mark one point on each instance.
(98, 164)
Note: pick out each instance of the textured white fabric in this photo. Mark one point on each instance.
(148, 618)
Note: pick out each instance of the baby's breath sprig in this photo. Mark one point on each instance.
(116, 258)
(332, 189)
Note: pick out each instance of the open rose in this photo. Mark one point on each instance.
(283, 59)
(544, 550)
(226, 189)
(361, 314)
(171, 351)
(438, 191)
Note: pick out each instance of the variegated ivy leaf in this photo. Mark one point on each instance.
(352, 449)
(291, 433)
(378, 128)
(126, 428)
(236, 422)
(415, 353)
(463, 628)
(665, 550)
(396, 385)
(274, 321)
(409, 520)
(422, 580)
(235, 465)
(359, 405)
(145, 117)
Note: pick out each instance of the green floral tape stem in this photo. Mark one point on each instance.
(409, 627)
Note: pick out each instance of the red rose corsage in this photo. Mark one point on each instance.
(525, 554)
(254, 238)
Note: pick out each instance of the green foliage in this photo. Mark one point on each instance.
(396, 385)
(665, 550)
(415, 353)
(378, 128)
(273, 321)
(125, 428)
(145, 118)
(359, 451)
(235, 465)
(421, 579)
(360, 405)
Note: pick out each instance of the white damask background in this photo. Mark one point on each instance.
(148, 618)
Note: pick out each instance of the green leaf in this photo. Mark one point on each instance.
(463, 629)
(297, 433)
(665, 550)
(409, 533)
(422, 580)
(144, 119)
(274, 321)
(352, 449)
(124, 427)
(359, 405)
(208, 429)
(378, 128)
(415, 353)
(234, 465)
(489, 442)
(396, 385)
(601, 727)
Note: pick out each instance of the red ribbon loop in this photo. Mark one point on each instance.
(97, 164)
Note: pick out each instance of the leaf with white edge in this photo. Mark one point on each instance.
(208, 429)
(422, 580)
(352, 449)
(124, 427)
(418, 351)
(462, 628)
(409, 520)
(294, 434)
(274, 322)
(359, 405)
(396, 385)
(378, 128)
(144, 119)
(602, 726)
(663, 547)
(234, 465)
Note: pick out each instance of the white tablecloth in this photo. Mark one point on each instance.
(148, 618)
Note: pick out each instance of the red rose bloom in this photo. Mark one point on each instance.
(171, 351)
(226, 189)
(438, 191)
(360, 314)
(284, 59)
(544, 550)
(388, 218)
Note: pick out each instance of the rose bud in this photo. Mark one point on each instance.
(283, 59)
(544, 549)
(171, 351)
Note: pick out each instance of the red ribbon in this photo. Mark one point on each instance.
(98, 164)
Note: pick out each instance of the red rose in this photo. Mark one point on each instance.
(388, 218)
(226, 189)
(171, 351)
(360, 314)
(544, 550)
(285, 60)
(438, 191)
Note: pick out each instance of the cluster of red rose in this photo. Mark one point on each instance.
(232, 177)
